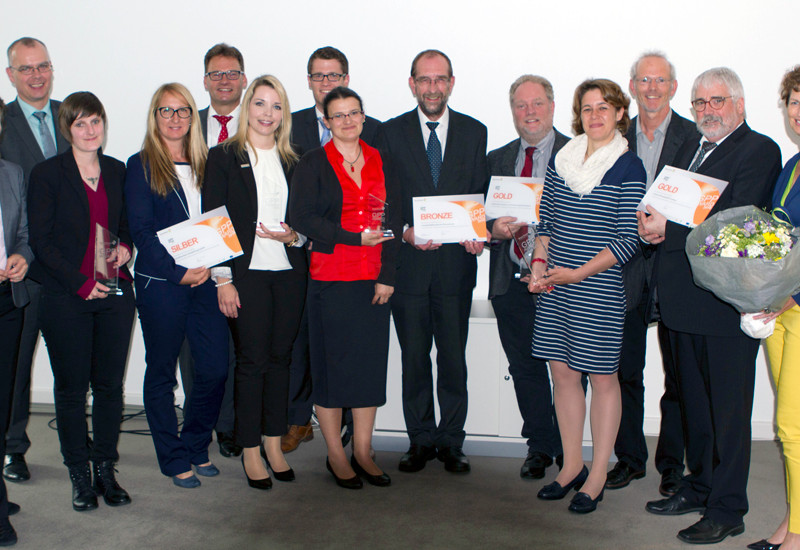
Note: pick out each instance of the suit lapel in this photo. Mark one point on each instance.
(15, 118)
(416, 146)
(720, 152)
(672, 142)
(74, 180)
(249, 180)
(631, 135)
(508, 163)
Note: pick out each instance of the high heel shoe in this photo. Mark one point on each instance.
(286, 475)
(554, 491)
(263, 484)
(582, 503)
(764, 544)
(380, 480)
(350, 483)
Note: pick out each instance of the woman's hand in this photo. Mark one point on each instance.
(382, 294)
(561, 276)
(196, 276)
(285, 236)
(372, 238)
(98, 292)
(768, 316)
(535, 281)
(123, 256)
(228, 298)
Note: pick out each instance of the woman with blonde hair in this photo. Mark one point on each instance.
(162, 188)
(262, 292)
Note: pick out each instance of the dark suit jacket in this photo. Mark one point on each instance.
(229, 181)
(59, 219)
(13, 205)
(639, 269)
(463, 172)
(750, 163)
(305, 130)
(203, 113)
(502, 162)
(17, 142)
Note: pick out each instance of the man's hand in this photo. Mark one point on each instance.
(652, 228)
(408, 237)
(16, 268)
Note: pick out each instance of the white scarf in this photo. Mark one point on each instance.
(582, 176)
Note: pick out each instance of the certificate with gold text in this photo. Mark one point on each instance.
(683, 197)
(518, 197)
(203, 241)
(449, 219)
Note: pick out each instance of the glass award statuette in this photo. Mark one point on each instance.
(105, 256)
(523, 247)
(377, 216)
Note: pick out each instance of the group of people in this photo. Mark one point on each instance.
(321, 202)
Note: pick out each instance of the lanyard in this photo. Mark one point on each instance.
(790, 183)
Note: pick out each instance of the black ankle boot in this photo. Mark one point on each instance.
(83, 498)
(105, 484)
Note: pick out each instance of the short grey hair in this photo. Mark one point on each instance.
(719, 75)
(535, 79)
(653, 53)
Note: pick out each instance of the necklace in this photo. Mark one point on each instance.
(93, 181)
(352, 168)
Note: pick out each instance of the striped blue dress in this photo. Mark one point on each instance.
(581, 324)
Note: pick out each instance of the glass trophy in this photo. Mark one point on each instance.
(524, 245)
(105, 256)
(377, 216)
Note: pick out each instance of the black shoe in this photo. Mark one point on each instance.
(380, 480)
(83, 497)
(349, 483)
(8, 537)
(673, 506)
(455, 461)
(708, 531)
(227, 445)
(15, 469)
(621, 475)
(670, 482)
(13, 508)
(582, 503)
(535, 464)
(415, 458)
(105, 484)
(554, 491)
(263, 484)
(286, 475)
(763, 544)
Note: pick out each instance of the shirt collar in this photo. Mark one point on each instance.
(28, 109)
(543, 143)
(661, 130)
(444, 120)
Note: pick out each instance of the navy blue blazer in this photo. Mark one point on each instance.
(792, 204)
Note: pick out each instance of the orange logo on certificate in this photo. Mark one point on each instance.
(224, 227)
(537, 189)
(477, 215)
(708, 198)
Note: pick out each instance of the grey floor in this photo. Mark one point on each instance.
(489, 508)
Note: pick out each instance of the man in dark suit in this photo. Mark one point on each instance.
(715, 360)
(655, 134)
(532, 109)
(439, 152)
(30, 135)
(327, 68)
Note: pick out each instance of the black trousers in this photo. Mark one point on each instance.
(87, 341)
(301, 404)
(10, 330)
(264, 333)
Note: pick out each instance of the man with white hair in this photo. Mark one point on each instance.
(715, 360)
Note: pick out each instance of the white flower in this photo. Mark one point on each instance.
(729, 252)
(754, 251)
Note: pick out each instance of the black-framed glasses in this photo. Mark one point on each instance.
(657, 80)
(167, 112)
(341, 117)
(332, 77)
(27, 70)
(217, 75)
(716, 102)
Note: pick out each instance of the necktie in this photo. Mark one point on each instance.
(527, 171)
(48, 145)
(704, 149)
(223, 131)
(326, 133)
(434, 153)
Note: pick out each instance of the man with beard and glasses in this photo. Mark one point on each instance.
(715, 360)
(439, 152)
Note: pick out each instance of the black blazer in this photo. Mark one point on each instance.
(203, 114)
(305, 130)
(463, 172)
(17, 143)
(229, 181)
(58, 219)
(750, 163)
(503, 162)
(639, 269)
(316, 208)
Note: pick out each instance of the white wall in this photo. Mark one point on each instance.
(123, 50)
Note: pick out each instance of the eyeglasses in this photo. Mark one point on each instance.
(27, 70)
(332, 77)
(657, 80)
(715, 102)
(339, 118)
(217, 75)
(167, 112)
(427, 81)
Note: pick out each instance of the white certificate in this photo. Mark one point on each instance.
(518, 197)
(683, 197)
(449, 219)
(202, 241)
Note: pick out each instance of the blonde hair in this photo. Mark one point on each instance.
(240, 140)
(156, 156)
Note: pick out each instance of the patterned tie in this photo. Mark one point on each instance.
(48, 145)
(527, 171)
(704, 150)
(223, 131)
(434, 153)
(326, 133)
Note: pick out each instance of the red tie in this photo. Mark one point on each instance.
(223, 131)
(527, 171)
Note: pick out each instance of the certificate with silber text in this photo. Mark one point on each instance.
(203, 241)
(683, 197)
(514, 196)
(449, 219)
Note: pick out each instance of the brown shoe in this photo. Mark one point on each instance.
(296, 435)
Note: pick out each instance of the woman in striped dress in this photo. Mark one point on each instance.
(587, 232)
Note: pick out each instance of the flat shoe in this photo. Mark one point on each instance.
(582, 503)
(190, 482)
(207, 471)
(554, 491)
